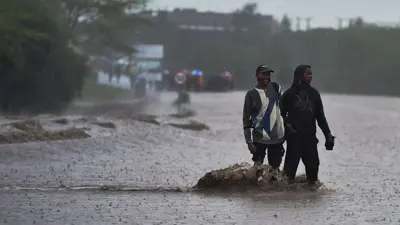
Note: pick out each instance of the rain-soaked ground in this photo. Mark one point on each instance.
(149, 168)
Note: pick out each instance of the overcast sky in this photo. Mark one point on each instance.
(323, 12)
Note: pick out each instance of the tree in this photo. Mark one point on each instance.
(357, 22)
(359, 59)
(102, 26)
(44, 46)
(286, 24)
(39, 71)
(247, 17)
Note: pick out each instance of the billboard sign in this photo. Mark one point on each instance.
(145, 51)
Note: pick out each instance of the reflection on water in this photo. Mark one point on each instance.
(167, 161)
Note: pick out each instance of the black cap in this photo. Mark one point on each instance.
(264, 68)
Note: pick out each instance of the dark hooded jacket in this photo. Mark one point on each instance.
(301, 106)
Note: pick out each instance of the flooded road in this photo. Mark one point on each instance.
(152, 166)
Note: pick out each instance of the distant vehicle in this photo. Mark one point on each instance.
(220, 83)
(197, 80)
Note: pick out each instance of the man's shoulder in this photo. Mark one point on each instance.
(275, 84)
(251, 91)
(314, 90)
(288, 91)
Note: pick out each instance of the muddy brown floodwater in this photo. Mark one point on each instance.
(141, 173)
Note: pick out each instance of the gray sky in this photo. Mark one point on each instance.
(323, 12)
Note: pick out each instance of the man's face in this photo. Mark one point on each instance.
(264, 77)
(307, 76)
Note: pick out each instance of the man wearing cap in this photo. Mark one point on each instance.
(262, 114)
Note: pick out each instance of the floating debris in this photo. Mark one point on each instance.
(184, 114)
(32, 130)
(244, 175)
(28, 125)
(62, 121)
(109, 125)
(191, 125)
(147, 119)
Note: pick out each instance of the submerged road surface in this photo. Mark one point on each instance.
(140, 173)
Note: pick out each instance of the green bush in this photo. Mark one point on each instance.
(39, 72)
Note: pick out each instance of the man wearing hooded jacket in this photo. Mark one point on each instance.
(301, 107)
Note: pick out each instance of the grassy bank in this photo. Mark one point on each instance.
(93, 91)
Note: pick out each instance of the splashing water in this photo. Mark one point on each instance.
(243, 176)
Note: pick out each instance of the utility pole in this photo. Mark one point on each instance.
(298, 21)
(308, 22)
(340, 22)
(342, 19)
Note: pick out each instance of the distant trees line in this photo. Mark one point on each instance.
(362, 58)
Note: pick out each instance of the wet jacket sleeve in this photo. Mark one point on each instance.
(283, 105)
(247, 124)
(320, 116)
(279, 94)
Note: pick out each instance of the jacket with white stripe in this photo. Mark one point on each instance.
(261, 113)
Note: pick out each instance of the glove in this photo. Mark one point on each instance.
(329, 142)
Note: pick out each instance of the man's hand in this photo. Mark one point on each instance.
(290, 130)
(252, 147)
(329, 142)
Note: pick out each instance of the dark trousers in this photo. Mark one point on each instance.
(275, 154)
(306, 149)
